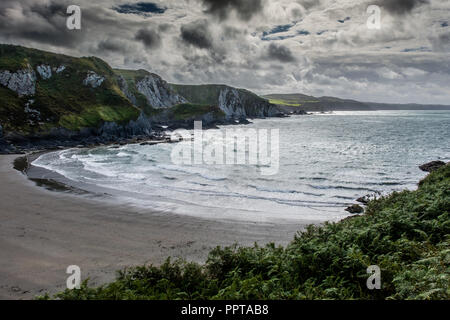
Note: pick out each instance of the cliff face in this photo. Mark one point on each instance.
(235, 103)
(147, 91)
(157, 92)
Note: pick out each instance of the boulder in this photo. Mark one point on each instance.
(355, 208)
(432, 166)
(364, 200)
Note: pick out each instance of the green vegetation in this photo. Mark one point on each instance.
(62, 100)
(14, 58)
(406, 234)
(291, 100)
(11, 110)
(207, 94)
(284, 102)
(94, 115)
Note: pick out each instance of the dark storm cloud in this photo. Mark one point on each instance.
(280, 53)
(245, 9)
(401, 6)
(150, 38)
(109, 45)
(50, 10)
(197, 34)
(140, 8)
(45, 23)
(163, 27)
(232, 32)
(441, 42)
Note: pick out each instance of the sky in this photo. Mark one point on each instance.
(314, 47)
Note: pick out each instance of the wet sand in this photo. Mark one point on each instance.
(42, 232)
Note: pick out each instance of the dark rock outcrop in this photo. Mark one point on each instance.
(355, 208)
(59, 137)
(364, 200)
(431, 166)
(368, 197)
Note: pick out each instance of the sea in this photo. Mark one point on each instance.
(321, 163)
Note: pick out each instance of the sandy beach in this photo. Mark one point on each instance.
(42, 232)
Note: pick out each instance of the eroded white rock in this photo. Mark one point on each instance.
(92, 79)
(44, 71)
(157, 92)
(23, 82)
(60, 69)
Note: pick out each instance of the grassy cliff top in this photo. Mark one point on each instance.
(132, 75)
(14, 58)
(292, 100)
(406, 234)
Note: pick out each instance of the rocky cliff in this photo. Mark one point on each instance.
(235, 103)
(46, 96)
(146, 90)
(51, 99)
(157, 92)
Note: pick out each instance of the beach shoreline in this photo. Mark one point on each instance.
(42, 232)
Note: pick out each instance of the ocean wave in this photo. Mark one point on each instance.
(341, 187)
(275, 190)
(190, 170)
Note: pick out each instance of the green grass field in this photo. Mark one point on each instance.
(284, 103)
